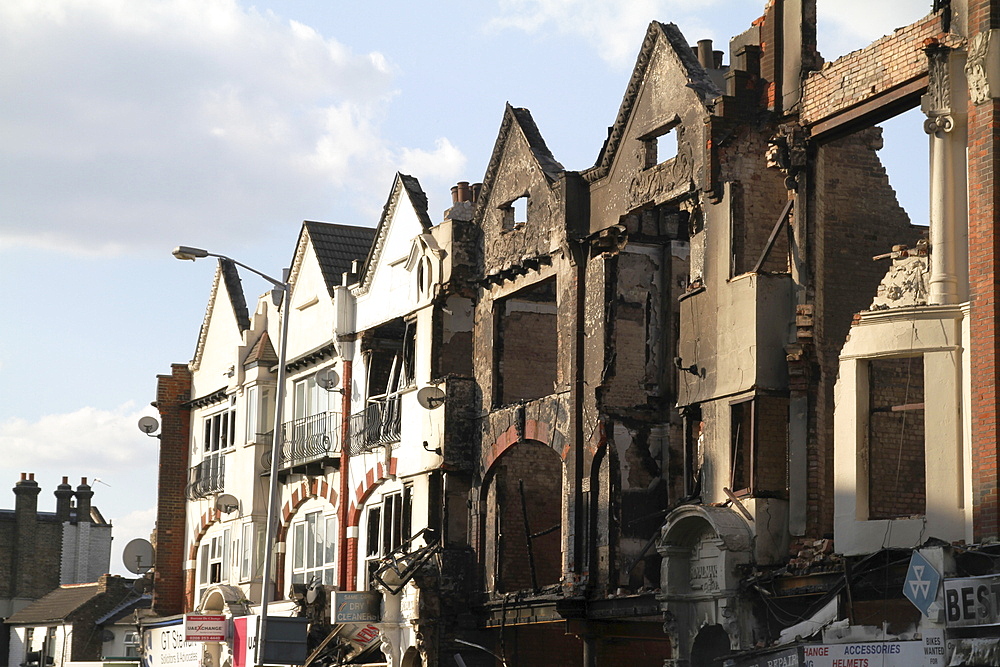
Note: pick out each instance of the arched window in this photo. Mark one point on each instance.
(524, 519)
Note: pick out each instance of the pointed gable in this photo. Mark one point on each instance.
(656, 149)
(520, 211)
(227, 289)
(403, 186)
(336, 248)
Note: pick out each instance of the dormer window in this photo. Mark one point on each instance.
(515, 213)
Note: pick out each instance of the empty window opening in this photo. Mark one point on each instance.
(660, 147)
(759, 446)
(515, 213)
(896, 459)
(526, 344)
(523, 519)
(908, 177)
(389, 525)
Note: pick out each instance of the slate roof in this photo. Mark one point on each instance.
(57, 605)
(337, 246)
(234, 286)
(262, 351)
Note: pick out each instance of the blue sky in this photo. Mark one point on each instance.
(131, 126)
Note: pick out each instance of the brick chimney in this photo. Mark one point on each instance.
(25, 528)
(83, 496)
(64, 496)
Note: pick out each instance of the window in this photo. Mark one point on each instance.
(515, 213)
(388, 526)
(220, 430)
(897, 477)
(659, 146)
(252, 425)
(213, 562)
(526, 345)
(409, 354)
(314, 547)
(759, 446)
(132, 643)
(249, 549)
(307, 398)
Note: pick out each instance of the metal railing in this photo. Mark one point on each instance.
(207, 477)
(306, 440)
(376, 426)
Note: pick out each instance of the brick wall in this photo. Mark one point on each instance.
(172, 391)
(896, 473)
(867, 73)
(540, 468)
(855, 217)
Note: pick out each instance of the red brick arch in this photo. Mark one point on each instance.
(539, 431)
(374, 477)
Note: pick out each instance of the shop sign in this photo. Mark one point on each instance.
(356, 606)
(245, 630)
(972, 601)
(204, 628)
(875, 654)
(789, 657)
(165, 647)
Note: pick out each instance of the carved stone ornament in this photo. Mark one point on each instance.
(976, 65)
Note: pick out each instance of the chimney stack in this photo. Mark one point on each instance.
(64, 496)
(83, 496)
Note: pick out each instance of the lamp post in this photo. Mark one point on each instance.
(280, 294)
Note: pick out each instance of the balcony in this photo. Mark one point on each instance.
(308, 444)
(377, 425)
(207, 477)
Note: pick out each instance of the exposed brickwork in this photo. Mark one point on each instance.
(984, 251)
(172, 593)
(864, 74)
(31, 548)
(851, 191)
(540, 470)
(896, 463)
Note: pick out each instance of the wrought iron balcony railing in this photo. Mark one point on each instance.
(207, 477)
(306, 441)
(376, 426)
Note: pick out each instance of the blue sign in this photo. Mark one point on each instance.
(922, 583)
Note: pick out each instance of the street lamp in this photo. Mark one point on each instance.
(280, 294)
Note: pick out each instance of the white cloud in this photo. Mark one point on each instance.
(444, 163)
(104, 446)
(135, 122)
(840, 30)
(615, 27)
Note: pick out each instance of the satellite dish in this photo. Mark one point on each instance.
(430, 397)
(138, 556)
(227, 503)
(327, 379)
(148, 425)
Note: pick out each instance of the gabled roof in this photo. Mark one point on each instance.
(57, 605)
(519, 119)
(336, 248)
(403, 184)
(262, 352)
(698, 81)
(226, 275)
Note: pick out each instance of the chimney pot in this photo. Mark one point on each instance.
(83, 481)
(705, 53)
(464, 193)
(717, 59)
(454, 194)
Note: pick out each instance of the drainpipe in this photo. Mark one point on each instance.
(345, 463)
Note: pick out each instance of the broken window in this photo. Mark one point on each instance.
(389, 525)
(759, 446)
(523, 519)
(526, 344)
(896, 460)
(659, 146)
(515, 213)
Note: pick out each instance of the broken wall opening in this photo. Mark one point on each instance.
(526, 346)
(759, 446)
(523, 519)
(896, 457)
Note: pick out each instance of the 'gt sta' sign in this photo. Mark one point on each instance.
(972, 601)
